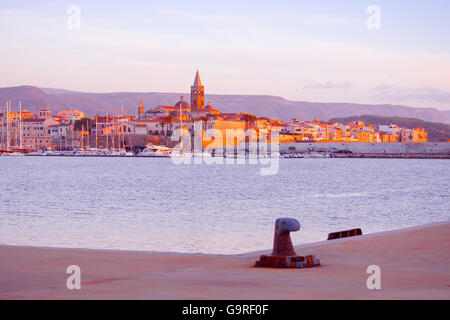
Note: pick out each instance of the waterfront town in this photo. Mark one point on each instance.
(128, 134)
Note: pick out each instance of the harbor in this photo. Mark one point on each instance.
(200, 129)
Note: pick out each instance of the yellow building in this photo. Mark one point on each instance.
(365, 136)
(388, 137)
(16, 116)
(414, 135)
(232, 132)
(70, 115)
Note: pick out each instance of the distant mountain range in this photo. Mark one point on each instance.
(260, 105)
(437, 132)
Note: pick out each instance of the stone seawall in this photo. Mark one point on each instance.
(393, 155)
(438, 148)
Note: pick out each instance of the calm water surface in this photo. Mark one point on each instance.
(153, 204)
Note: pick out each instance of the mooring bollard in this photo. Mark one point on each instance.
(344, 234)
(282, 244)
(283, 253)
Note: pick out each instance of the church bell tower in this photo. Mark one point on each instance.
(141, 110)
(197, 94)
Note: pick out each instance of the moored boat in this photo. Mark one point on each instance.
(155, 151)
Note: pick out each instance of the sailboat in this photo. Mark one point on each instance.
(12, 151)
(3, 138)
(124, 152)
(179, 150)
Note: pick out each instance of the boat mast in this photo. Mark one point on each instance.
(123, 128)
(15, 129)
(1, 124)
(96, 135)
(107, 134)
(3, 129)
(181, 125)
(20, 126)
(88, 127)
(7, 126)
(113, 131)
(82, 136)
(34, 134)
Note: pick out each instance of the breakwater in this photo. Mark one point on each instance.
(373, 149)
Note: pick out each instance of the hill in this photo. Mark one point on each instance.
(437, 132)
(260, 105)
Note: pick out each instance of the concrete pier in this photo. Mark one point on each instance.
(441, 148)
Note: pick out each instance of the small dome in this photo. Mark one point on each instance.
(183, 103)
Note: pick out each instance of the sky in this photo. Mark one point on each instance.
(323, 51)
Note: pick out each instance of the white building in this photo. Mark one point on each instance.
(390, 128)
(152, 127)
(71, 115)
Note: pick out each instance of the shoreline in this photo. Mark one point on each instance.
(332, 155)
(251, 253)
(414, 264)
(393, 156)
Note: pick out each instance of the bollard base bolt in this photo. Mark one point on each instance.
(308, 261)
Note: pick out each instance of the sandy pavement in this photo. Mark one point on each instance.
(415, 264)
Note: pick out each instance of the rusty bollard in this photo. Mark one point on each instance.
(283, 253)
(344, 234)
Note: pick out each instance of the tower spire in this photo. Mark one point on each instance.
(197, 82)
(141, 109)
